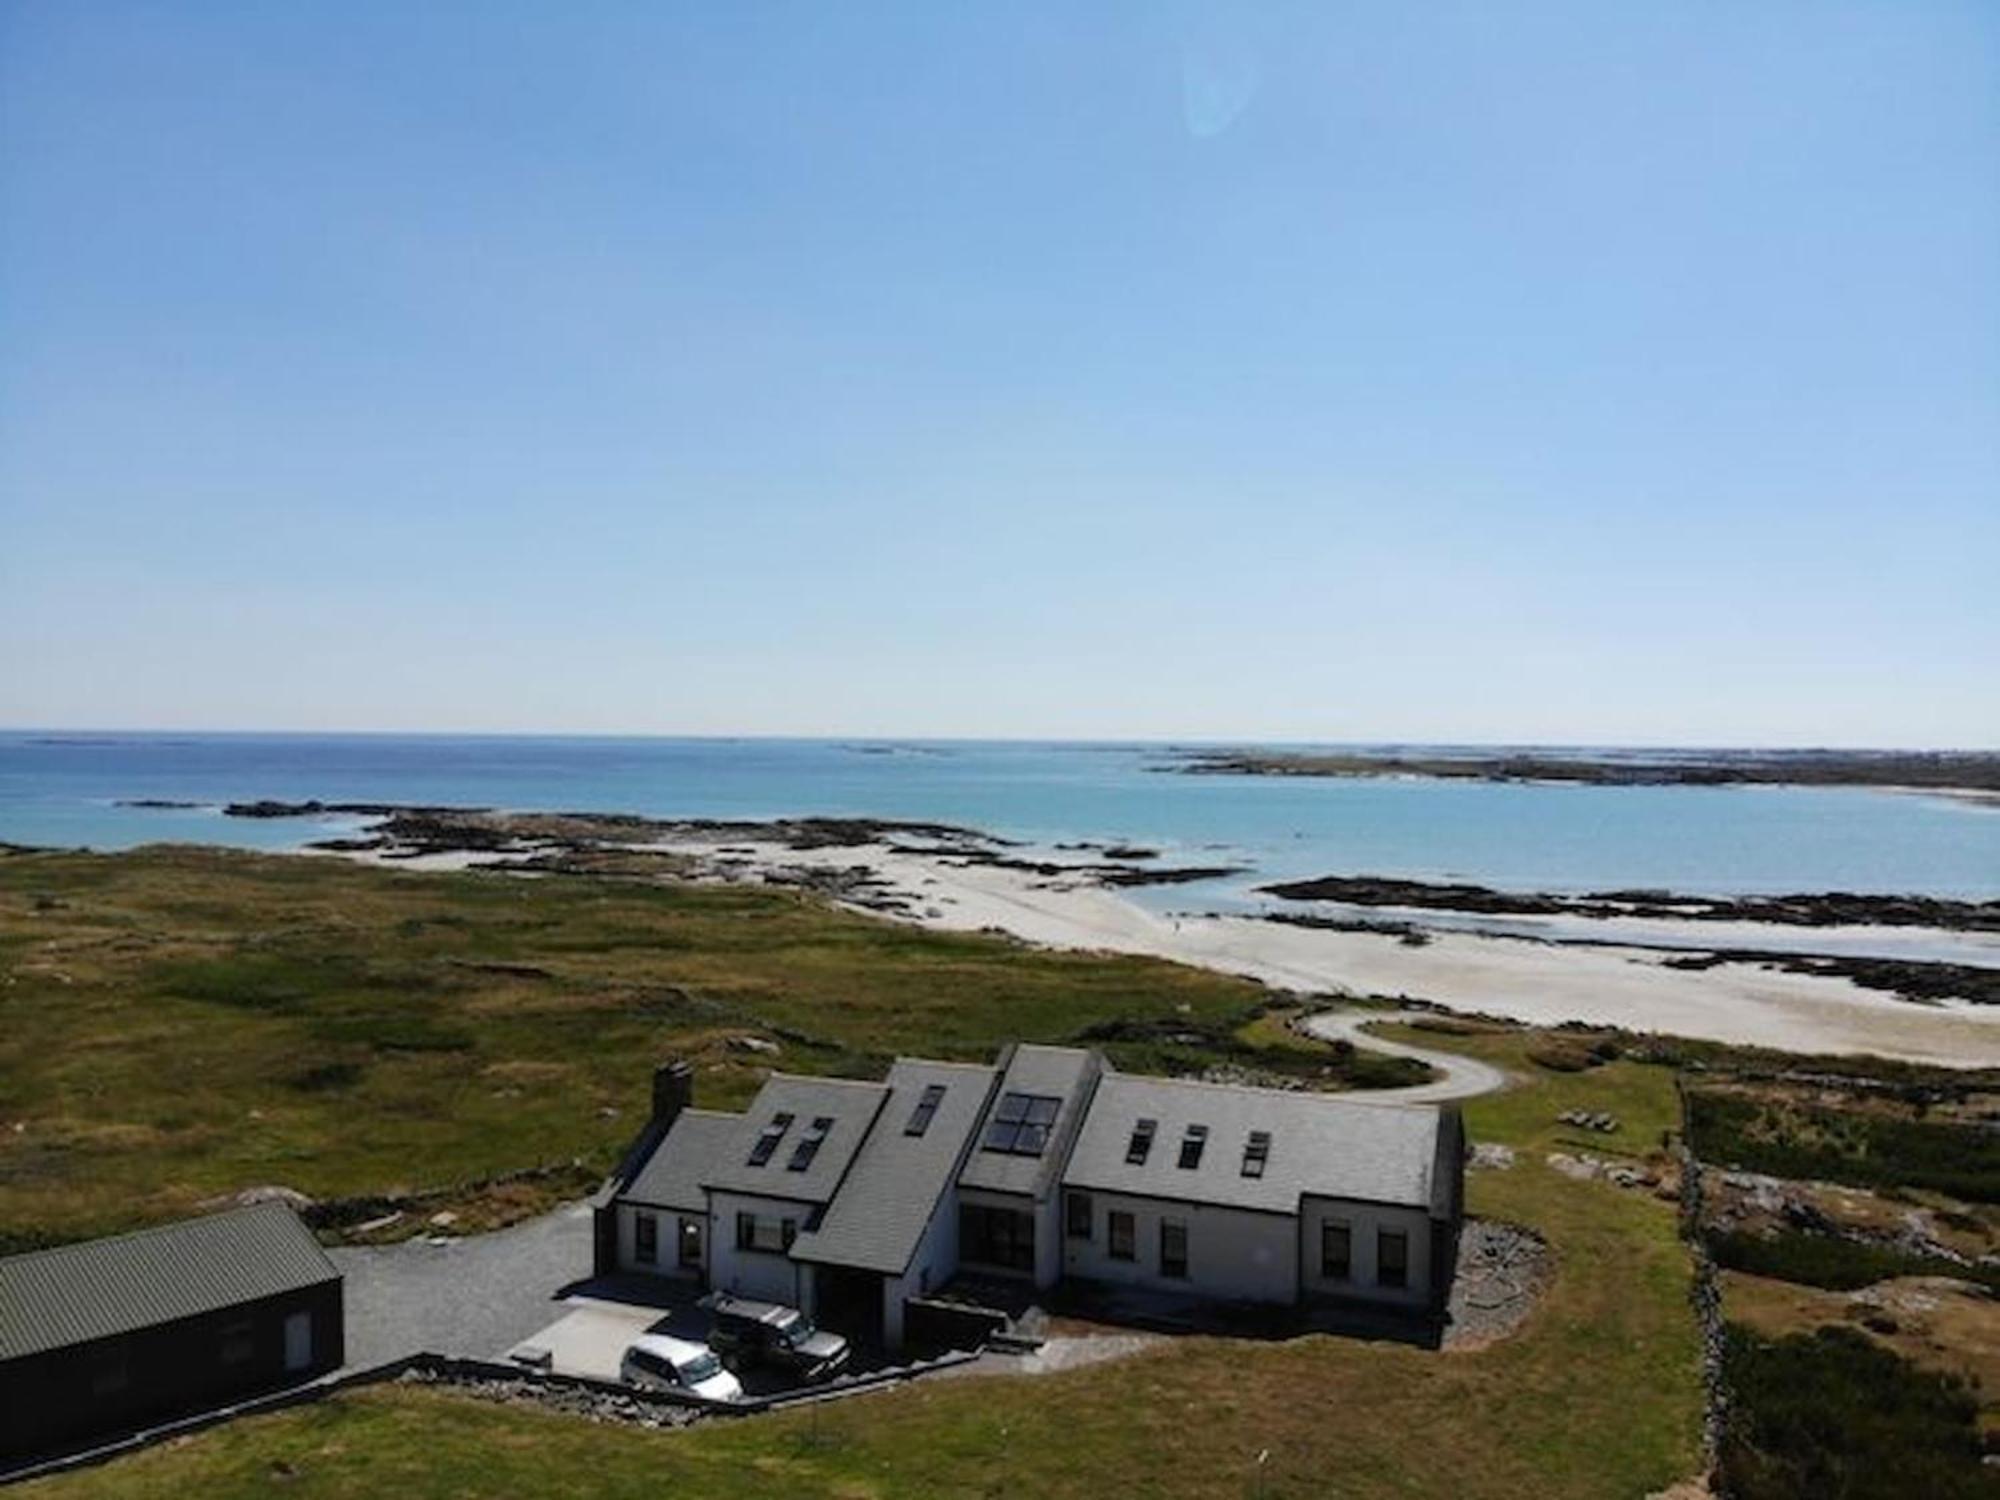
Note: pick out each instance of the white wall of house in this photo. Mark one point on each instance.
(1364, 1221)
(770, 1275)
(1232, 1253)
(934, 1263)
(668, 1221)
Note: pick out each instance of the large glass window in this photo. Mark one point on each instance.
(1021, 1123)
(645, 1239)
(1336, 1250)
(1392, 1257)
(996, 1236)
(1173, 1247)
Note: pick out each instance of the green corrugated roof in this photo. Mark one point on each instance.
(75, 1293)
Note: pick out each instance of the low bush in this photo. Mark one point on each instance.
(1826, 1260)
(1832, 1413)
(1786, 1138)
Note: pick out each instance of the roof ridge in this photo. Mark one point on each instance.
(1323, 1096)
(148, 1231)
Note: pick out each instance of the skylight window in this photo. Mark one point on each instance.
(1141, 1145)
(920, 1117)
(1191, 1146)
(768, 1138)
(809, 1144)
(1021, 1123)
(1256, 1152)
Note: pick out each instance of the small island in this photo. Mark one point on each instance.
(1973, 772)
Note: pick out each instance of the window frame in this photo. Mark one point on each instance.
(1177, 1267)
(1022, 1124)
(1326, 1261)
(1194, 1142)
(925, 1107)
(1384, 1275)
(1115, 1220)
(646, 1237)
(1140, 1146)
(1079, 1215)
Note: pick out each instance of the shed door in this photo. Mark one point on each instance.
(298, 1340)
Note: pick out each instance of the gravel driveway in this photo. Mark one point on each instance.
(1462, 1076)
(476, 1296)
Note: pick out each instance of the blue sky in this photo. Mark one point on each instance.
(1319, 371)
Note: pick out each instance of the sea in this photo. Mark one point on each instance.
(73, 789)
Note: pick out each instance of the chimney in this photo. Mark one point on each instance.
(673, 1091)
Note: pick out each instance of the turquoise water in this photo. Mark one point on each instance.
(62, 789)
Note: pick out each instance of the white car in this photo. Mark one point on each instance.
(658, 1363)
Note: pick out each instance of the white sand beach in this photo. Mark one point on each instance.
(1519, 979)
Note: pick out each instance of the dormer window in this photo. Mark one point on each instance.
(1141, 1144)
(1256, 1153)
(809, 1144)
(1191, 1146)
(768, 1138)
(920, 1117)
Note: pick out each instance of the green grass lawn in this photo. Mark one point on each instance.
(1597, 1396)
(178, 1023)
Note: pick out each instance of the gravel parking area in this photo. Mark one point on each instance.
(477, 1296)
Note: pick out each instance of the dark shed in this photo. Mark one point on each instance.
(107, 1335)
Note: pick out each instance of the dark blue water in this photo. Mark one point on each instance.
(62, 789)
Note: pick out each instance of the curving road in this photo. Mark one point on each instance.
(1460, 1077)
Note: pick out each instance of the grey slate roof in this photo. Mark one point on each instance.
(1320, 1145)
(672, 1175)
(849, 1103)
(896, 1182)
(1066, 1072)
(76, 1293)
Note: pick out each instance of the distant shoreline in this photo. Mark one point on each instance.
(1970, 774)
(955, 878)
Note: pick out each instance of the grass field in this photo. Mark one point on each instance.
(178, 1023)
(1596, 1397)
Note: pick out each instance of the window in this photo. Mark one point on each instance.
(1191, 1146)
(1021, 1123)
(1141, 1145)
(1173, 1247)
(1392, 1257)
(646, 1239)
(996, 1236)
(1121, 1235)
(1076, 1215)
(239, 1342)
(1336, 1250)
(920, 1117)
(690, 1247)
(768, 1235)
(1256, 1153)
(809, 1144)
(768, 1138)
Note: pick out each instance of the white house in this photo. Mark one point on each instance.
(851, 1198)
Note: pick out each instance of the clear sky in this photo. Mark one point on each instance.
(1565, 371)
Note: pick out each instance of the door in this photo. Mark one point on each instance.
(298, 1341)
